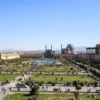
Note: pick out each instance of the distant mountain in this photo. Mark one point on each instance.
(33, 51)
(9, 50)
(24, 51)
(80, 49)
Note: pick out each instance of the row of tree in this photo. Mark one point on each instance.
(35, 93)
(94, 65)
(85, 83)
(93, 71)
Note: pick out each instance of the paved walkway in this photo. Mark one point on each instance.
(63, 89)
(12, 84)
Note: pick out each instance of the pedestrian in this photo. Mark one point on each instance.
(46, 87)
(4, 91)
(42, 87)
(10, 88)
(59, 89)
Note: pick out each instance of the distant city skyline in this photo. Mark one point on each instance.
(32, 24)
(81, 49)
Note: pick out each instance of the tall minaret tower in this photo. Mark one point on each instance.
(61, 48)
(45, 47)
(51, 47)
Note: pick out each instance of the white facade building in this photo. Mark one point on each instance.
(12, 55)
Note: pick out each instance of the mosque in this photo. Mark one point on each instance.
(48, 52)
(68, 50)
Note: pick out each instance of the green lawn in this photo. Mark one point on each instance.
(58, 69)
(18, 69)
(52, 78)
(48, 97)
(7, 77)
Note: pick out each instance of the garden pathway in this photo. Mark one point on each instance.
(12, 84)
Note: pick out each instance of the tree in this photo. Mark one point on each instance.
(75, 83)
(1, 69)
(56, 91)
(76, 94)
(34, 90)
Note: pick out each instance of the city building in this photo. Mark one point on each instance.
(68, 50)
(81, 56)
(93, 53)
(48, 52)
(10, 55)
(31, 55)
(63, 50)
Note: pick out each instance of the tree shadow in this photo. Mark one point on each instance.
(27, 95)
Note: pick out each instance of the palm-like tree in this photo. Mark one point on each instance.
(78, 87)
(70, 47)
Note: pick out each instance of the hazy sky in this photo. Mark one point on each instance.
(30, 24)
